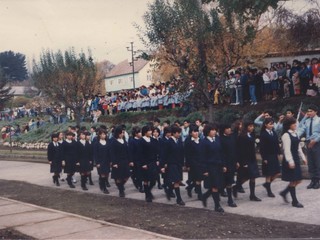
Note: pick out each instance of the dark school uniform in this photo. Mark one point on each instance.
(175, 160)
(147, 156)
(229, 155)
(247, 156)
(193, 157)
(269, 150)
(91, 156)
(54, 154)
(163, 155)
(133, 152)
(119, 154)
(84, 156)
(288, 174)
(157, 152)
(69, 150)
(213, 162)
(101, 156)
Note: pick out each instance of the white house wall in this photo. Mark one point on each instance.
(268, 61)
(143, 77)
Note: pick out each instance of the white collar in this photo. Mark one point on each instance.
(68, 141)
(196, 140)
(174, 139)
(120, 140)
(211, 139)
(147, 139)
(83, 141)
(103, 142)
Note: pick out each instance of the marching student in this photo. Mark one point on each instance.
(102, 159)
(69, 156)
(229, 154)
(163, 160)
(60, 141)
(270, 151)
(248, 167)
(175, 160)
(193, 156)
(148, 161)
(133, 150)
(157, 147)
(291, 169)
(88, 138)
(119, 154)
(212, 158)
(54, 154)
(84, 152)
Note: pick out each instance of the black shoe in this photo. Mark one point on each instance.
(122, 194)
(270, 194)
(91, 183)
(235, 191)
(160, 186)
(316, 185)
(57, 183)
(181, 203)
(223, 194)
(168, 195)
(141, 190)
(232, 204)
(189, 192)
(255, 199)
(72, 186)
(172, 195)
(84, 188)
(148, 199)
(297, 205)
(106, 191)
(204, 201)
(219, 209)
(311, 184)
(283, 194)
(241, 190)
(54, 179)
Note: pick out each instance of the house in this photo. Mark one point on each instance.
(121, 77)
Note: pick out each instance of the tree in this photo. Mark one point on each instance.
(5, 91)
(201, 38)
(14, 65)
(67, 78)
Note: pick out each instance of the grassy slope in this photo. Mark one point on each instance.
(223, 113)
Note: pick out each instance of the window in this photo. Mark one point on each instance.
(119, 81)
(149, 77)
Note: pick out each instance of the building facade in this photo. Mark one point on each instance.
(121, 77)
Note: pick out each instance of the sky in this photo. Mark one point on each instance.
(104, 26)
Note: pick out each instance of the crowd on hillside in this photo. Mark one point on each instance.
(279, 81)
(211, 153)
(240, 86)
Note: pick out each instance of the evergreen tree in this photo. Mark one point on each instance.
(13, 65)
(5, 94)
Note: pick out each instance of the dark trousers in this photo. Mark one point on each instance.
(313, 155)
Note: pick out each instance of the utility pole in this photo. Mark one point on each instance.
(133, 59)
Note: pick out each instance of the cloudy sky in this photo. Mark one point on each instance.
(106, 26)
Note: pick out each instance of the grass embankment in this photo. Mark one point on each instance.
(222, 114)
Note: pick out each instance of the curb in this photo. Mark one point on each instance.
(91, 219)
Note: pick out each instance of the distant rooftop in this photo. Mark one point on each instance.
(124, 68)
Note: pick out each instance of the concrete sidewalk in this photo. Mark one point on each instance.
(272, 208)
(43, 223)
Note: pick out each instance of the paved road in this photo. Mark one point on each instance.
(272, 208)
(43, 223)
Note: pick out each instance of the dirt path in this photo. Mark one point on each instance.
(181, 222)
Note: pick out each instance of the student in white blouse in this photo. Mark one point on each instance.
(291, 169)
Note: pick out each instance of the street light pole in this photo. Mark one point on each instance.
(131, 49)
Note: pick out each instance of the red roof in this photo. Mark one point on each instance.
(125, 68)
